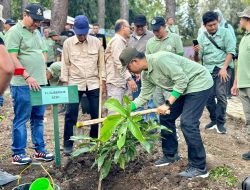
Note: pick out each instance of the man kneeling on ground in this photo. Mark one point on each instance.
(190, 86)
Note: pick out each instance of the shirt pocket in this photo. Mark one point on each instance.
(93, 56)
(75, 56)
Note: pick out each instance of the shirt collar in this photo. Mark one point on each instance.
(217, 33)
(121, 37)
(76, 41)
(134, 34)
(166, 37)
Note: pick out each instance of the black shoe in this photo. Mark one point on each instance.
(246, 156)
(191, 172)
(211, 125)
(221, 129)
(68, 150)
(166, 160)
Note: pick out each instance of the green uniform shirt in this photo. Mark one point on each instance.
(50, 47)
(172, 72)
(55, 70)
(30, 48)
(173, 29)
(243, 71)
(171, 43)
(213, 56)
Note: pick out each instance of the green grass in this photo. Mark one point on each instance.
(224, 173)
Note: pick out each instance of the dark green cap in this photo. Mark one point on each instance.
(52, 33)
(127, 56)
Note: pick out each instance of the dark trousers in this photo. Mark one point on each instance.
(190, 107)
(217, 110)
(72, 115)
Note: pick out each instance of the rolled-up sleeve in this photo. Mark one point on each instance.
(230, 43)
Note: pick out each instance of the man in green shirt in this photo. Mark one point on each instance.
(25, 46)
(218, 61)
(242, 77)
(190, 86)
(163, 41)
(171, 27)
(50, 46)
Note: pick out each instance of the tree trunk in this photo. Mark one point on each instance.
(59, 14)
(124, 9)
(170, 8)
(101, 13)
(24, 4)
(6, 8)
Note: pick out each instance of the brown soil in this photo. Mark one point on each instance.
(141, 174)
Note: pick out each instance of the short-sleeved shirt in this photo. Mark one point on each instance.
(171, 43)
(172, 72)
(30, 47)
(50, 44)
(243, 71)
(139, 42)
(55, 70)
(213, 56)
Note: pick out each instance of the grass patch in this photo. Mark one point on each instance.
(223, 173)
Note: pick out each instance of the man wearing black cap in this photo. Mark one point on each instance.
(25, 46)
(138, 39)
(190, 85)
(82, 55)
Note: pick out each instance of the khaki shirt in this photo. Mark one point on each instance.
(113, 64)
(80, 62)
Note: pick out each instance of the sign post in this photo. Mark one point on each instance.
(54, 95)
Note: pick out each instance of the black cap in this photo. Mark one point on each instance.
(35, 11)
(140, 20)
(10, 22)
(157, 22)
(126, 57)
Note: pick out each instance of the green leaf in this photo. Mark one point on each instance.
(137, 118)
(126, 100)
(109, 125)
(147, 146)
(114, 105)
(122, 136)
(80, 137)
(122, 161)
(135, 130)
(80, 151)
(117, 156)
(101, 160)
(105, 170)
(166, 129)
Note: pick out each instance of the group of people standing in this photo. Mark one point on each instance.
(149, 64)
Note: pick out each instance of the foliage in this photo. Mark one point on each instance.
(225, 173)
(119, 137)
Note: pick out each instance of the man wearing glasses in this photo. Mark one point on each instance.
(26, 48)
(82, 54)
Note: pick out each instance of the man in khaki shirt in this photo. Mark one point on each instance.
(81, 55)
(117, 79)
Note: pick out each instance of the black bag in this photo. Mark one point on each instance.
(246, 184)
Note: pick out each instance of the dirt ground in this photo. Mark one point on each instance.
(141, 174)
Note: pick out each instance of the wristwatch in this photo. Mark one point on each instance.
(168, 103)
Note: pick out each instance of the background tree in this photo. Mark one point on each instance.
(6, 8)
(170, 8)
(24, 4)
(124, 9)
(59, 14)
(101, 13)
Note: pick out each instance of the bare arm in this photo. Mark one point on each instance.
(6, 69)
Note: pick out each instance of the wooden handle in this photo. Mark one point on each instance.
(100, 120)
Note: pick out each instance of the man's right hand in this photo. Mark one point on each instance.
(234, 90)
(33, 84)
(196, 49)
(132, 85)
